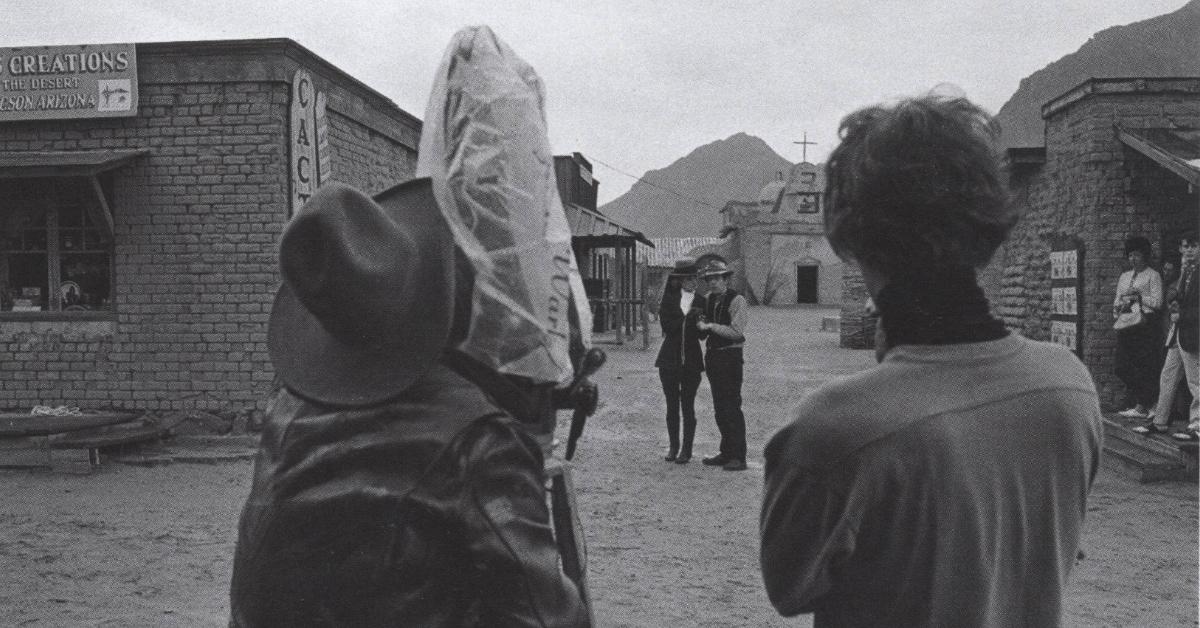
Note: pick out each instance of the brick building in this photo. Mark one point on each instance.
(1121, 157)
(777, 244)
(138, 240)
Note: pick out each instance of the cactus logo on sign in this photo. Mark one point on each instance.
(114, 95)
(60, 82)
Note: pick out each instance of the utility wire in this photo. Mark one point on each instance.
(652, 184)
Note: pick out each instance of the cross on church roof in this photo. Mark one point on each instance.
(804, 147)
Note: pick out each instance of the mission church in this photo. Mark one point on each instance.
(777, 242)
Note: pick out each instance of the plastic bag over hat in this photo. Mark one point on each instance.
(484, 145)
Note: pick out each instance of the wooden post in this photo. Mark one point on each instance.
(631, 292)
(618, 276)
(645, 311)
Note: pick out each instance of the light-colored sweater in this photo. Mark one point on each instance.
(946, 486)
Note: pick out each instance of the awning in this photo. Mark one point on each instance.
(64, 163)
(72, 163)
(1177, 150)
(666, 251)
(598, 228)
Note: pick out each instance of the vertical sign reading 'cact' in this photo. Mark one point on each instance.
(303, 140)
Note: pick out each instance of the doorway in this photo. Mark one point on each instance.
(806, 284)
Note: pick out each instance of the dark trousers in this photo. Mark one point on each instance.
(1138, 362)
(679, 387)
(724, 367)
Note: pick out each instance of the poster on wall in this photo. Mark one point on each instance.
(68, 82)
(1066, 293)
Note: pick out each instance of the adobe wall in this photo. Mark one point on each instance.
(1094, 188)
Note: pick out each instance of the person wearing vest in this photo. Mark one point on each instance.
(723, 328)
(680, 361)
(1183, 347)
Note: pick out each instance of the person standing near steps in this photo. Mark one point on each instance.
(1183, 342)
(723, 328)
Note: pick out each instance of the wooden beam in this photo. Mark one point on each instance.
(101, 212)
(1159, 156)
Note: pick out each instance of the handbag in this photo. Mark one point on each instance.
(1130, 318)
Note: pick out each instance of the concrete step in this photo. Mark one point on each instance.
(1120, 429)
(1144, 465)
(1147, 458)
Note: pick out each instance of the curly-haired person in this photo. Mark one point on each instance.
(947, 485)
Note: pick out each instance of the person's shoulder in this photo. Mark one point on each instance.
(831, 422)
(1053, 364)
(1041, 350)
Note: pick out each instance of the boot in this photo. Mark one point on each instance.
(685, 454)
(671, 453)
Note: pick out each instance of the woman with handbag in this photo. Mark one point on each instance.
(680, 361)
(1135, 310)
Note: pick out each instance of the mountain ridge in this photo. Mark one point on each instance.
(685, 198)
(1167, 45)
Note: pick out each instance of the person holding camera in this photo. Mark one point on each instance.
(398, 481)
(1135, 310)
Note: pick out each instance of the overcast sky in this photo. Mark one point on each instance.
(638, 84)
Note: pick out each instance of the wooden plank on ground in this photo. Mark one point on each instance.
(18, 425)
(107, 436)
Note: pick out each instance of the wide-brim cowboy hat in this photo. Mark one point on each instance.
(367, 298)
(685, 267)
(715, 268)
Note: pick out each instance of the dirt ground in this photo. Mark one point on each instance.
(667, 544)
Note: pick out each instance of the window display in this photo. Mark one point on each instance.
(53, 257)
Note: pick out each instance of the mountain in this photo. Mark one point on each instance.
(685, 198)
(1167, 45)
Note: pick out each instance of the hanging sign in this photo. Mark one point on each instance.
(303, 140)
(66, 82)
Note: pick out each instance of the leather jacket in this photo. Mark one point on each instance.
(427, 510)
(681, 340)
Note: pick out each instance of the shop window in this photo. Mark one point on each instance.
(53, 255)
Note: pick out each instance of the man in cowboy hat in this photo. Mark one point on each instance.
(395, 484)
(723, 327)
